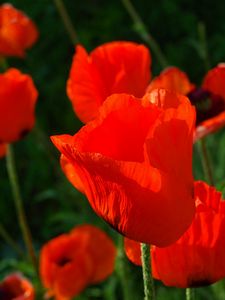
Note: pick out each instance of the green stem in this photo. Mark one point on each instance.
(203, 41)
(122, 269)
(206, 162)
(5, 235)
(190, 294)
(147, 272)
(66, 21)
(144, 34)
(10, 162)
(3, 63)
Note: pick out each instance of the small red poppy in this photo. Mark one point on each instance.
(16, 287)
(17, 31)
(209, 100)
(120, 163)
(198, 257)
(71, 262)
(116, 67)
(18, 97)
(100, 249)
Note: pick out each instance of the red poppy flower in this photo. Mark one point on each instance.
(100, 249)
(209, 99)
(70, 262)
(198, 257)
(116, 67)
(18, 97)
(3, 150)
(16, 287)
(17, 31)
(124, 170)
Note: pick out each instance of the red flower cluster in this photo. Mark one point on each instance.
(119, 162)
(198, 257)
(17, 31)
(124, 67)
(133, 159)
(18, 94)
(16, 287)
(71, 262)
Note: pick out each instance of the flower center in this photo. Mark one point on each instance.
(207, 104)
(8, 292)
(63, 261)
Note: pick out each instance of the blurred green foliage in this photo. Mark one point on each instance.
(52, 205)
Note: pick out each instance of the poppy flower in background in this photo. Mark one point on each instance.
(209, 99)
(17, 31)
(16, 287)
(198, 257)
(3, 150)
(115, 67)
(18, 97)
(71, 262)
(120, 163)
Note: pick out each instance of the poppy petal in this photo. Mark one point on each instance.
(172, 79)
(15, 286)
(18, 32)
(116, 67)
(17, 113)
(120, 184)
(214, 81)
(209, 126)
(197, 258)
(101, 250)
(70, 262)
(71, 173)
(64, 268)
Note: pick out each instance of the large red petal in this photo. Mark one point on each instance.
(117, 67)
(144, 203)
(71, 173)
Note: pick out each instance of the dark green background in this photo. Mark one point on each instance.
(53, 206)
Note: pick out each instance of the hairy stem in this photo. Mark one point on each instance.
(147, 272)
(190, 294)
